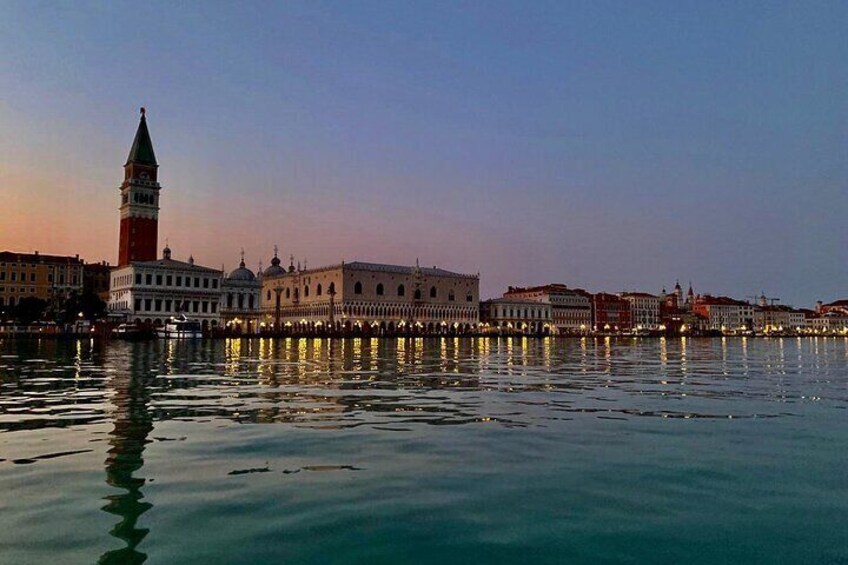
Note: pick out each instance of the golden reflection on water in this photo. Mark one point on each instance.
(330, 384)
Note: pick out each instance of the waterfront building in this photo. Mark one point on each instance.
(151, 292)
(142, 288)
(52, 278)
(516, 315)
(240, 307)
(725, 314)
(610, 313)
(773, 318)
(370, 297)
(96, 278)
(839, 306)
(831, 322)
(139, 229)
(644, 310)
(571, 309)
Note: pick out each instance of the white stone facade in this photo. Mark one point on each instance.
(509, 315)
(571, 309)
(153, 291)
(644, 310)
(370, 297)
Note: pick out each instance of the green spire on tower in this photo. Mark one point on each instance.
(142, 148)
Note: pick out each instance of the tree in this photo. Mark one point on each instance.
(89, 304)
(30, 309)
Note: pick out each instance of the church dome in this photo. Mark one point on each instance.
(242, 273)
(275, 268)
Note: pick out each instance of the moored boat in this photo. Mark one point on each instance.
(180, 328)
(130, 332)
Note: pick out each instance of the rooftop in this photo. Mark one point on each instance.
(38, 257)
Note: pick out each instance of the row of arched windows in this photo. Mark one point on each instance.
(357, 289)
(401, 291)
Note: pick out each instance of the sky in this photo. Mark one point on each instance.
(605, 145)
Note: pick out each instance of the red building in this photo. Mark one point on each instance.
(610, 313)
(139, 201)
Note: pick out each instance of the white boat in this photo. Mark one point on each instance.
(129, 331)
(180, 328)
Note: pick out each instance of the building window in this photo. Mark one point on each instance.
(268, 295)
(318, 290)
(230, 300)
(380, 289)
(158, 280)
(148, 279)
(137, 304)
(214, 283)
(14, 276)
(214, 309)
(196, 304)
(169, 280)
(432, 292)
(205, 282)
(417, 294)
(158, 305)
(332, 288)
(196, 283)
(401, 290)
(148, 304)
(357, 288)
(167, 306)
(306, 291)
(205, 307)
(468, 297)
(3, 276)
(32, 277)
(451, 296)
(288, 293)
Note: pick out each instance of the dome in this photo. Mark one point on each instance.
(242, 273)
(275, 268)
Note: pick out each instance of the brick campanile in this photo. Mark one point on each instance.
(139, 201)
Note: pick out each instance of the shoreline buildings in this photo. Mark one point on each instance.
(359, 297)
(370, 298)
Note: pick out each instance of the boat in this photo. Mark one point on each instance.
(180, 328)
(130, 332)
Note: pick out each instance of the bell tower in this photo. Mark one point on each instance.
(139, 201)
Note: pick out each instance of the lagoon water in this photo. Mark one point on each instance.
(425, 451)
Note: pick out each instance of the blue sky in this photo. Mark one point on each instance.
(607, 145)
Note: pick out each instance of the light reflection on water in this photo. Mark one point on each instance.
(389, 387)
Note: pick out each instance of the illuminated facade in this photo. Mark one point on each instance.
(151, 292)
(370, 298)
(571, 309)
(240, 306)
(644, 310)
(516, 315)
(610, 313)
(725, 314)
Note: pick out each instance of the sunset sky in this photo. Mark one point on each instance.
(609, 146)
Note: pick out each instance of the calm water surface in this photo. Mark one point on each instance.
(425, 451)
